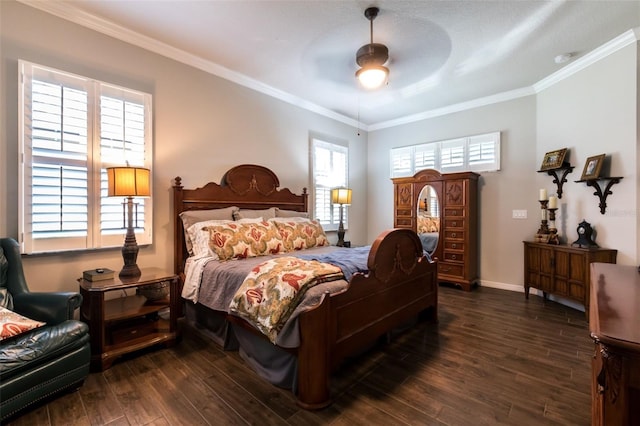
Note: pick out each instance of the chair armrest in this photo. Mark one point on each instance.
(52, 308)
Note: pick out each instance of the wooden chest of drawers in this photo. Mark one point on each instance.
(562, 270)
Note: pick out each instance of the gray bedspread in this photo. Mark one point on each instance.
(221, 280)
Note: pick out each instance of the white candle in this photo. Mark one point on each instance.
(543, 194)
(553, 202)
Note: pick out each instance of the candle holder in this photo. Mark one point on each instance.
(542, 236)
(553, 231)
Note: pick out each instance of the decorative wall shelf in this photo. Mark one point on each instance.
(559, 180)
(600, 193)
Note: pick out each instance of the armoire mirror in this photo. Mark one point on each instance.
(428, 219)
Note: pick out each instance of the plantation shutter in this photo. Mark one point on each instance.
(330, 170)
(71, 129)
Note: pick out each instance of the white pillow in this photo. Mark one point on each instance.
(290, 213)
(253, 214)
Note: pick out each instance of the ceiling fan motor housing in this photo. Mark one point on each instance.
(372, 54)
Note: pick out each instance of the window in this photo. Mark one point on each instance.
(71, 129)
(329, 170)
(480, 153)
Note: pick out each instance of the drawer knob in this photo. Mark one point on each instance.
(454, 257)
(454, 245)
(453, 234)
(454, 223)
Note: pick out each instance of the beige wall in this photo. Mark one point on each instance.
(513, 187)
(596, 112)
(203, 125)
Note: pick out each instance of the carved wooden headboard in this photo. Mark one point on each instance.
(247, 186)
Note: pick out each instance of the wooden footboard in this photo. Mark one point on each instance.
(400, 285)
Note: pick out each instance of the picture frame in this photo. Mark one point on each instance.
(553, 159)
(592, 167)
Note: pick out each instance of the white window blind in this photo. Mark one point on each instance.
(329, 170)
(479, 153)
(71, 129)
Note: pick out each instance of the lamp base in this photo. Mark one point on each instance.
(129, 271)
(340, 242)
(130, 256)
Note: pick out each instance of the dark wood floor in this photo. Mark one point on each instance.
(494, 358)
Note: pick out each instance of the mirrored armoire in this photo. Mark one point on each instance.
(443, 210)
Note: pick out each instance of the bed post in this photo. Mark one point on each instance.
(314, 364)
(178, 235)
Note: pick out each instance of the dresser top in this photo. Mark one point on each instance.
(615, 304)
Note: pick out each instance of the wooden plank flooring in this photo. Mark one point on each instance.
(493, 358)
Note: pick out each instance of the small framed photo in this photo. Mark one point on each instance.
(592, 167)
(554, 159)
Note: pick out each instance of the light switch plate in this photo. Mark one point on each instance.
(519, 214)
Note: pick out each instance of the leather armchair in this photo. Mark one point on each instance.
(45, 361)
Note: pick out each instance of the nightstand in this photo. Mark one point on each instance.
(121, 322)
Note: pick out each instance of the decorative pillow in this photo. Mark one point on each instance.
(199, 235)
(12, 324)
(291, 213)
(6, 301)
(191, 217)
(241, 240)
(4, 268)
(299, 234)
(249, 214)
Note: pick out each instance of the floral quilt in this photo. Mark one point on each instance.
(272, 290)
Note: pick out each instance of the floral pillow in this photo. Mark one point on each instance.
(191, 217)
(199, 237)
(12, 324)
(241, 240)
(301, 234)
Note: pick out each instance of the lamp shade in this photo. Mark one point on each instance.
(128, 182)
(341, 196)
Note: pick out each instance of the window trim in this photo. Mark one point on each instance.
(95, 238)
(333, 146)
(438, 147)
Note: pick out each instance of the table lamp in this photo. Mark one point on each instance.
(341, 196)
(129, 182)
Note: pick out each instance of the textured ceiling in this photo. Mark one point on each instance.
(442, 53)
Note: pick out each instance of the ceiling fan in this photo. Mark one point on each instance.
(371, 58)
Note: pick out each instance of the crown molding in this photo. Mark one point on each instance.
(450, 109)
(599, 53)
(73, 14)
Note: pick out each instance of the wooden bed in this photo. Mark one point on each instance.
(401, 283)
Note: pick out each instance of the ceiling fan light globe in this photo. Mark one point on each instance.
(372, 76)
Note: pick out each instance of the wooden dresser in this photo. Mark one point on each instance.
(562, 270)
(614, 324)
(457, 247)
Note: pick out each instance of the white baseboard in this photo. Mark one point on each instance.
(520, 289)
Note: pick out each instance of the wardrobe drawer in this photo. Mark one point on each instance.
(450, 212)
(450, 269)
(403, 222)
(453, 245)
(453, 234)
(457, 222)
(453, 256)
